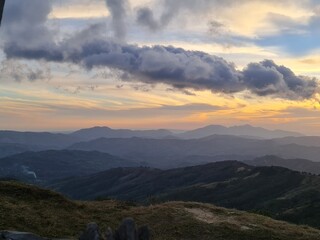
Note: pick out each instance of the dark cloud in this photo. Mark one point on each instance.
(176, 67)
(118, 13)
(267, 78)
(184, 91)
(145, 17)
(24, 22)
(216, 28)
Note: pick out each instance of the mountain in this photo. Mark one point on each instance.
(311, 141)
(7, 149)
(105, 132)
(194, 160)
(12, 142)
(275, 191)
(165, 153)
(42, 140)
(301, 165)
(244, 130)
(53, 164)
(47, 140)
(48, 214)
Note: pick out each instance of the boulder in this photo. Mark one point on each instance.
(127, 230)
(144, 233)
(109, 234)
(11, 235)
(91, 232)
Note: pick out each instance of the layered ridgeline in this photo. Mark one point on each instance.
(243, 130)
(166, 153)
(60, 140)
(165, 149)
(7, 149)
(40, 167)
(63, 139)
(14, 142)
(274, 191)
(296, 164)
(169, 153)
(45, 213)
(45, 166)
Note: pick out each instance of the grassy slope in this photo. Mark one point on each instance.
(274, 191)
(27, 208)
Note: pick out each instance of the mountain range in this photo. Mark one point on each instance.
(243, 130)
(39, 167)
(58, 140)
(106, 132)
(7, 149)
(278, 192)
(218, 142)
(301, 165)
(167, 153)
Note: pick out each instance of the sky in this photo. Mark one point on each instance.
(145, 64)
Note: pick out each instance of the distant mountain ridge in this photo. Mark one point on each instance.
(7, 149)
(56, 164)
(243, 130)
(163, 148)
(40, 139)
(163, 153)
(61, 140)
(311, 141)
(106, 132)
(301, 165)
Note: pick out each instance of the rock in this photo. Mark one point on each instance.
(91, 232)
(11, 235)
(109, 234)
(144, 233)
(127, 230)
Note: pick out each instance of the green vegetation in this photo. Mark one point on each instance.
(274, 191)
(28, 208)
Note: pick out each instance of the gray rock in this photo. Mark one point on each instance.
(91, 232)
(144, 233)
(127, 230)
(11, 235)
(109, 234)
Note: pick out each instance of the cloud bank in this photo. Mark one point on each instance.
(175, 67)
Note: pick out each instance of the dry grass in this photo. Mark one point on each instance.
(27, 208)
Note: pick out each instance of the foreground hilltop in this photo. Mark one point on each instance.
(43, 212)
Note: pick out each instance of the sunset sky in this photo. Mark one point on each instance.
(175, 64)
